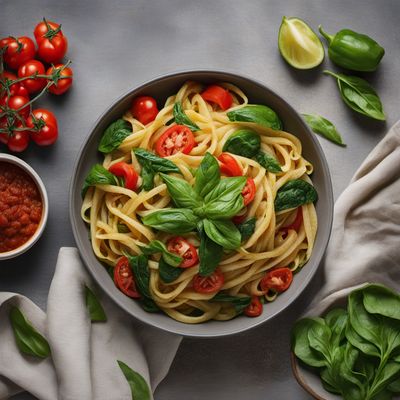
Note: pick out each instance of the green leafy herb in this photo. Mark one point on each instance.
(247, 228)
(258, 114)
(147, 175)
(243, 142)
(182, 119)
(324, 128)
(28, 339)
(294, 194)
(158, 164)
(207, 175)
(122, 228)
(269, 162)
(98, 175)
(139, 387)
(94, 307)
(239, 302)
(223, 233)
(140, 268)
(149, 305)
(359, 95)
(167, 272)
(114, 135)
(159, 247)
(210, 254)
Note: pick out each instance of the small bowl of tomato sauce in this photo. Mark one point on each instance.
(23, 206)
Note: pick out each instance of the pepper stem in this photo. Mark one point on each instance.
(328, 37)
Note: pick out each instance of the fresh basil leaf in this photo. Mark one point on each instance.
(157, 164)
(181, 192)
(149, 305)
(259, 114)
(223, 233)
(140, 268)
(167, 272)
(359, 95)
(207, 175)
(94, 307)
(210, 254)
(147, 175)
(239, 302)
(172, 220)
(114, 135)
(182, 119)
(269, 162)
(139, 387)
(244, 142)
(98, 175)
(226, 199)
(379, 299)
(324, 128)
(122, 228)
(159, 247)
(27, 338)
(247, 228)
(295, 193)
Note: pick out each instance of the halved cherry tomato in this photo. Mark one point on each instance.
(19, 50)
(278, 279)
(229, 166)
(295, 225)
(144, 109)
(16, 89)
(178, 138)
(209, 284)
(124, 279)
(254, 309)
(219, 95)
(184, 249)
(46, 30)
(43, 125)
(63, 84)
(126, 171)
(249, 191)
(32, 67)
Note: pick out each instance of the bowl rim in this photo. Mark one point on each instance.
(223, 77)
(45, 206)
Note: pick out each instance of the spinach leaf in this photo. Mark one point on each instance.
(140, 268)
(182, 119)
(207, 175)
(172, 220)
(147, 173)
(159, 247)
(269, 162)
(27, 338)
(394, 387)
(181, 192)
(388, 374)
(324, 128)
(149, 305)
(114, 135)
(122, 228)
(294, 194)
(139, 387)
(98, 175)
(158, 164)
(167, 272)
(243, 142)
(360, 343)
(94, 307)
(210, 254)
(247, 228)
(359, 95)
(239, 302)
(319, 336)
(258, 114)
(223, 233)
(336, 320)
(378, 299)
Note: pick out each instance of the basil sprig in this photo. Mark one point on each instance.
(239, 302)
(295, 193)
(96, 310)
(114, 135)
(98, 175)
(258, 114)
(156, 246)
(139, 388)
(27, 338)
(181, 118)
(359, 95)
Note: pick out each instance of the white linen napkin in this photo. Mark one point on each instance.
(365, 242)
(83, 364)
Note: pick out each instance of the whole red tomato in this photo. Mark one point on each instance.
(19, 50)
(52, 44)
(43, 127)
(16, 103)
(46, 30)
(16, 89)
(18, 141)
(32, 67)
(63, 84)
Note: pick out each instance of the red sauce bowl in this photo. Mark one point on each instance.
(24, 206)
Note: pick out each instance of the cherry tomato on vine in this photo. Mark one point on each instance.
(32, 67)
(184, 249)
(126, 171)
(19, 50)
(46, 30)
(43, 127)
(209, 284)
(229, 166)
(52, 44)
(18, 141)
(63, 84)
(254, 309)
(249, 191)
(124, 279)
(16, 89)
(144, 109)
(15, 103)
(278, 279)
(178, 138)
(218, 95)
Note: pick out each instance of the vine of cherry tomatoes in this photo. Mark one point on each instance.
(27, 71)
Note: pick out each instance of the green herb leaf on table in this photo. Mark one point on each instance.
(324, 128)
(269, 162)
(156, 246)
(139, 388)
(210, 254)
(207, 175)
(27, 338)
(223, 232)
(244, 142)
(114, 135)
(239, 302)
(167, 272)
(247, 228)
(94, 307)
(181, 118)
(98, 175)
(295, 193)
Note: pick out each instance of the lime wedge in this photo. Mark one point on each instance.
(299, 45)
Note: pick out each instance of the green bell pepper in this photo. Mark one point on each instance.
(353, 50)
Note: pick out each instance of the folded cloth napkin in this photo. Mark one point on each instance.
(83, 363)
(365, 241)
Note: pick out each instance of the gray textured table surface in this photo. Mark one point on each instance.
(116, 45)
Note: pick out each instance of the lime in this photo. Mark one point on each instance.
(299, 45)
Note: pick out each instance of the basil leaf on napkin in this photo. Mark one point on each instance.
(156, 246)
(324, 128)
(94, 307)
(139, 387)
(182, 119)
(258, 114)
(295, 193)
(207, 175)
(98, 175)
(223, 233)
(114, 135)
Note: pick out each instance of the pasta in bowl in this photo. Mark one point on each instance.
(204, 208)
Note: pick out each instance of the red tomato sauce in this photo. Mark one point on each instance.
(20, 207)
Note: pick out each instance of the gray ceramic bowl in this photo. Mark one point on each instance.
(160, 89)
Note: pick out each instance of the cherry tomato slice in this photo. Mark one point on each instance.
(18, 50)
(278, 279)
(219, 95)
(254, 309)
(126, 171)
(295, 225)
(144, 109)
(43, 125)
(229, 166)
(63, 84)
(124, 279)
(178, 138)
(184, 249)
(32, 67)
(248, 192)
(209, 284)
